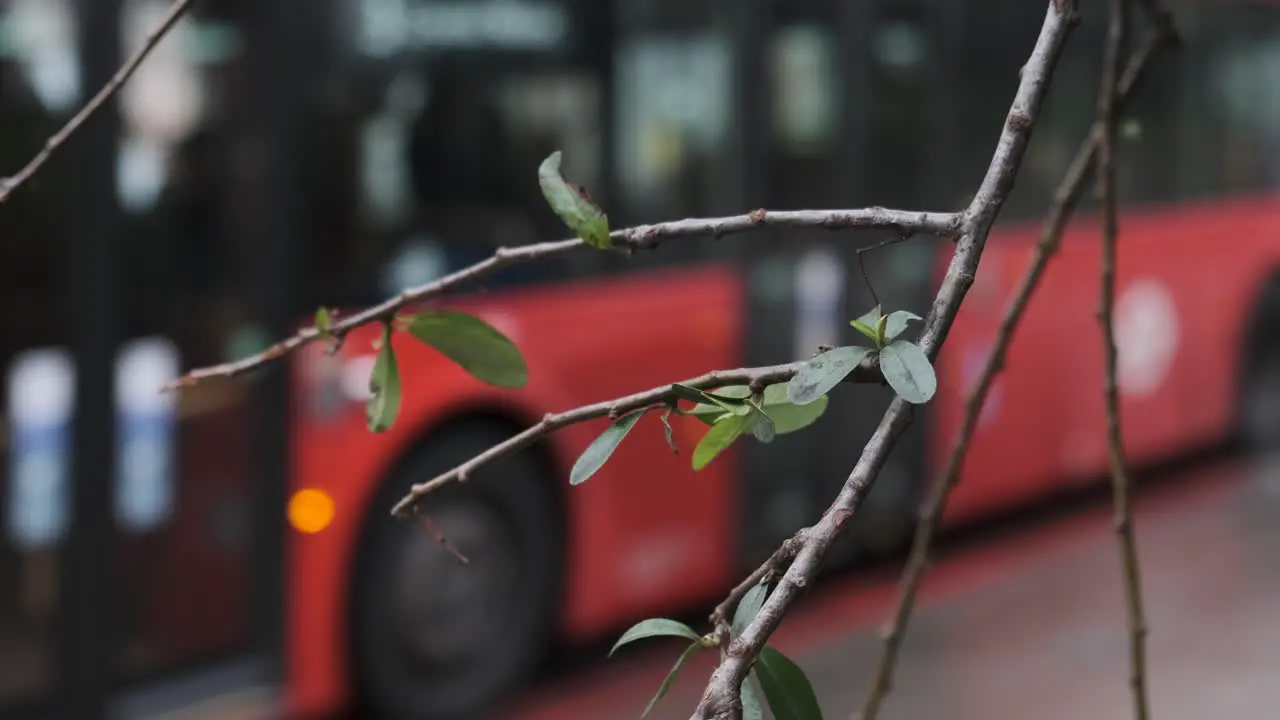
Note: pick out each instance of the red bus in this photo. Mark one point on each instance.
(893, 103)
(283, 155)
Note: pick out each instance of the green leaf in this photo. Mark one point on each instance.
(908, 371)
(822, 373)
(867, 323)
(761, 424)
(668, 433)
(737, 406)
(474, 345)
(573, 206)
(324, 321)
(880, 325)
(384, 382)
(751, 709)
(600, 449)
(786, 687)
(748, 607)
(720, 436)
(789, 418)
(897, 323)
(671, 677)
(655, 627)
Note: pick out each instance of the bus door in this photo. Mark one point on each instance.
(836, 129)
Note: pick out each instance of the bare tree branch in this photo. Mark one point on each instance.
(770, 567)
(721, 699)
(630, 239)
(126, 71)
(1117, 39)
(1064, 202)
(867, 371)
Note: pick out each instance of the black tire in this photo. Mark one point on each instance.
(427, 650)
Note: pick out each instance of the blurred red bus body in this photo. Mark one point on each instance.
(646, 535)
(379, 616)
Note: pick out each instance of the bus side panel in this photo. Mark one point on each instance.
(644, 534)
(1181, 311)
(1186, 281)
(1011, 453)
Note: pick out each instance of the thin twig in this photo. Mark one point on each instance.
(1117, 39)
(720, 699)
(1065, 199)
(863, 267)
(636, 238)
(769, 568)
(126, 71)
(867, 371)
(434, 530)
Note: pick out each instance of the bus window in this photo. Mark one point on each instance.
(673, 121)
(447, 149)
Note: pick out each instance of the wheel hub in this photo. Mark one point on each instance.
(447, 610)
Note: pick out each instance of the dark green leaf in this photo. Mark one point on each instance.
(751, 709)
(786, 687)
(720, 436)
(671, 677)
(897, 323)
(655, 627)
(384, 382)
(600, 449)
(822, 373)
(577, 211)
(324, 321)
(748, 606)
(908, 371)
(474, 345)
(668, 433)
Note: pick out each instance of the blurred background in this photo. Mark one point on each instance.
(226, 551)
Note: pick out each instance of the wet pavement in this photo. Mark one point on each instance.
(1031, 625)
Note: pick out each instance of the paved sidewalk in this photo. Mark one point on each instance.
(1034, 627)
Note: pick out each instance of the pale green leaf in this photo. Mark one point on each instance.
(720, 436)
(762, 426)
(789, 418)
(473, 344)
(572, 205)
(897, 323)
(748, 607)
(384, 384)
(822, 373)
(655, 627)
(786, 687)
(600, 449)
(908, 371)
(867, 323)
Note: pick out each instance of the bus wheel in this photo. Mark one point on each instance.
(434, 637)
